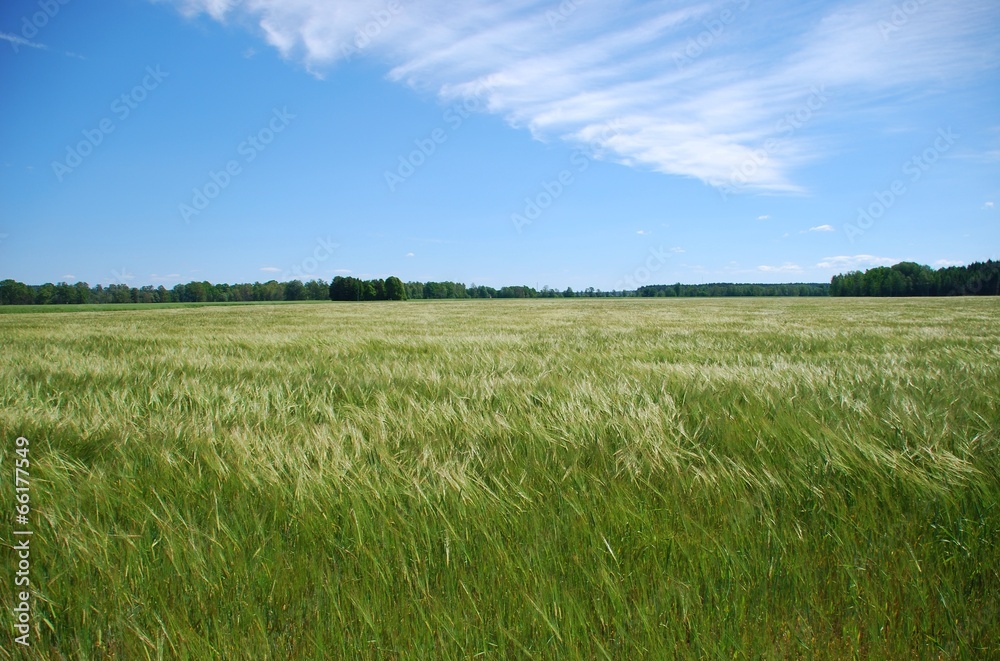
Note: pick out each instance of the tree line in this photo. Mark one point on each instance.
(719, 289)
(341, 288)
(354, 289)
(912, 279)
(903, 279)
(18, 293)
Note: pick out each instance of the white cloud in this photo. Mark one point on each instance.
(784, 268)
(628, 64)
(764, 217)
(19, 41)
(69, 276)
(989, 205)
(409, 254)
(640, 232)
(948, 262)
(342, 271)
(822, 228)
(270, 269)
(851, 262)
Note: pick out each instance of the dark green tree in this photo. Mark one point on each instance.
(395, 290)
(295, 291)
(45, 293)
(13, 292)
(317, 290)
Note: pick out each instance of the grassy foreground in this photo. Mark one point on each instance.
(573, 479)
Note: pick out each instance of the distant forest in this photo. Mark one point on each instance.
(911, 279)
(904, 279)
(734, 289)
(354, 289)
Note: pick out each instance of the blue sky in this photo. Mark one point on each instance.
(571, 143)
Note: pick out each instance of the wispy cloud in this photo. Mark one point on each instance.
(20, 41)
(948, 262)
(989, 205)
(17, 42)
(855, 262)
(764, 217)
(787, 267)
(744, 99)
(270, 269)
(822, 228)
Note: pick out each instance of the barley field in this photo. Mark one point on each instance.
(589, 479)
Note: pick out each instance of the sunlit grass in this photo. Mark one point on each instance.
(573, 478)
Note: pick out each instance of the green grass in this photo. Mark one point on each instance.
(570, 478)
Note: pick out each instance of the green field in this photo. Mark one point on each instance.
(572, 478)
